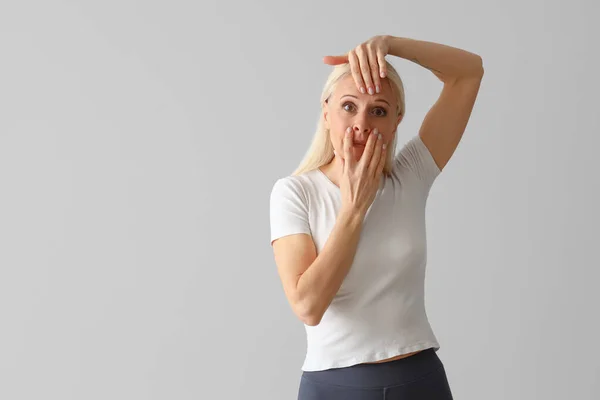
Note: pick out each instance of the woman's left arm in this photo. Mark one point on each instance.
(461, 72)
(446, 62)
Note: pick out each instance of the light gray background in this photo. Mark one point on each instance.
(139, 142)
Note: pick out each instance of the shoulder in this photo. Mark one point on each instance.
(414, 159)
(296, 187)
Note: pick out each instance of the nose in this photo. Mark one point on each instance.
(361, 127)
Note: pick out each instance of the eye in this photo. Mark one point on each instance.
(378, 111)
(347, 104)
(383, 111)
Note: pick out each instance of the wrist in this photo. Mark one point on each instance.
(395, 45)
(351, 215)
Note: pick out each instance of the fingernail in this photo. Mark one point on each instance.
(362, 90)
(384, 145)
(375, 131)
(370, 90)
(377, 88)
(348, 130)
(382, 74)
(379, 136)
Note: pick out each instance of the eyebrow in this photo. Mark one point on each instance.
(349, 95)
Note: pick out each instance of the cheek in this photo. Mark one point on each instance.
(389, 131)
(337, 140)
(389, 137)
(339, 123)
(337, 129)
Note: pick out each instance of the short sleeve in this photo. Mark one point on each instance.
(288, 209)
(417, 158)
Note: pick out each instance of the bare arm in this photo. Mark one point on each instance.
(310, 281)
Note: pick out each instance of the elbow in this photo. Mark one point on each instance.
(478, 70)
(473, 70)
(311, 320)
(307, 314)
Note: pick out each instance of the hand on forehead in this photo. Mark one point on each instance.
(347, 86)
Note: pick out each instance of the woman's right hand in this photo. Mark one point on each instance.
(360, 179)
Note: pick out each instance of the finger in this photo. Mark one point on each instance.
(382, 159)
(348, 156)
(382, 64)
(335, 60)
(365, 69)
(369, 149)
(355, 69)
(376, 155)
(374, 67)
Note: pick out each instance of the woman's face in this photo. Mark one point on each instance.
(347, 107)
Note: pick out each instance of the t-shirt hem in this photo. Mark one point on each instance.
(372, 357)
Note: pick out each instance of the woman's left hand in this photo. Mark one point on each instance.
(367, 63)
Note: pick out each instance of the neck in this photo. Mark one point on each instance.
(333, 170)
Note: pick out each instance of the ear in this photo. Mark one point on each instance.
(326, 113)
(399, 120)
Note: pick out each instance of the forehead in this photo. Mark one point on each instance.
(347, 85)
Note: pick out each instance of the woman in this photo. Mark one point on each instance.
(348, 226)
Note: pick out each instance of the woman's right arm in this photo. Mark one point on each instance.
(310, 282)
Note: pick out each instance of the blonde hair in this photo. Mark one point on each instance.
(320, 151)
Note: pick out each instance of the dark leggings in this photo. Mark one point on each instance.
(416, 377)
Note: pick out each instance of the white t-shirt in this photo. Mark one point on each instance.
(379, 310)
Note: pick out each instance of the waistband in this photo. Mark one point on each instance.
(395, 372)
